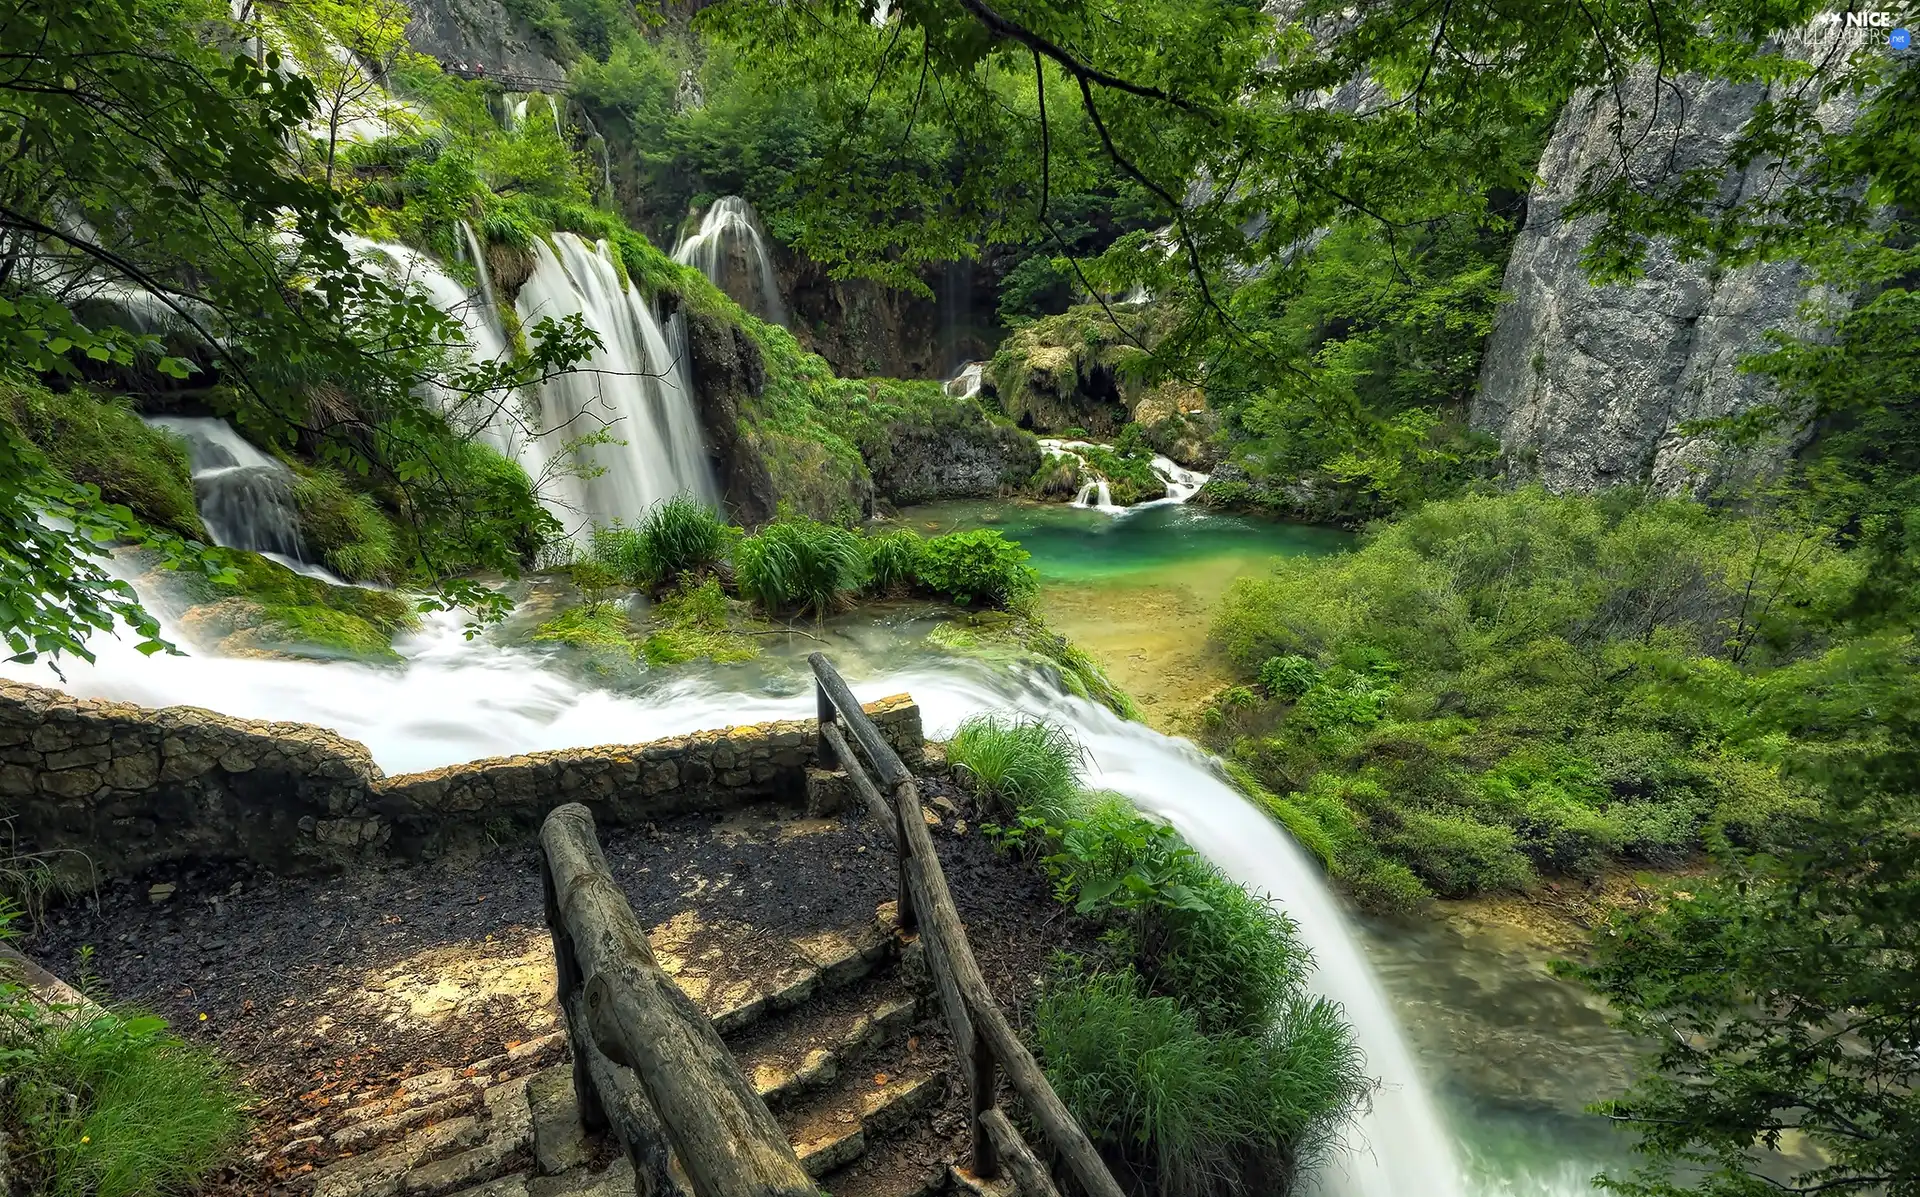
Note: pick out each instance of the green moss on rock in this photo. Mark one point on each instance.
(98, 439)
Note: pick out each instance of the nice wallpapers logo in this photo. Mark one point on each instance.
(1882, 25)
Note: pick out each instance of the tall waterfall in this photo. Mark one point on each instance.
(634, 389)
(731, 251)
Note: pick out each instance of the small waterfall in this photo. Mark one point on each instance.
(477, 255)
(730, 250)
(966, 384)
(634, 388)
(1181, 483)
(245, 497)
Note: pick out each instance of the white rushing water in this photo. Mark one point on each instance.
(634, 389)
(457, 700)
(731, 251)
(245, 497)
(966, 383)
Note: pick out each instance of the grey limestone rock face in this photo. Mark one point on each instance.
(478, 31)
(1588, 387)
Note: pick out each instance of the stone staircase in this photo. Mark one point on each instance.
(836, 1031)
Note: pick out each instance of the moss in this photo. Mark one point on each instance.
(594, 627)
(1011, 637)
(349, 531)
(259, 606)
(99, 440)
(1075, 370)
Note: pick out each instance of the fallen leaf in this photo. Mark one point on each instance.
(879, 1078)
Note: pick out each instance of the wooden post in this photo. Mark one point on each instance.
(725, 1138)
(986, 1155)
(823, 748)
(566, 967)
(909, 918)
(1028, 1172)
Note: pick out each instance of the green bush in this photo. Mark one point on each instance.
(894, 560)
(1289, 676)
(108, 1104)
(978, 566)
(1195, 1113)
(1026, 765)
(799, 565)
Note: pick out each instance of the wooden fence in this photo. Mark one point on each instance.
(646, 1062)
(983, 1039)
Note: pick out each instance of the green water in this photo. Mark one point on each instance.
(1073, 544)
(1138, 591)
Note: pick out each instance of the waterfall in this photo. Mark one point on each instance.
(966, 384)
(456, 701)
(1181, 483)
(245, 497)
(730, 250)
(496, 420)
(634, 389)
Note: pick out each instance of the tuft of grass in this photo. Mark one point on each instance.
(108, 1103)
(677, 537)
(893, 561)
(1021, 763)
(692, 624)
(1195, 1113)
(800, 565)
(594, 627)
(353, 536)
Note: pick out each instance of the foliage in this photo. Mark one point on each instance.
(894, 560)
(354, 538)
(1024, 764)
(799, 564)
(591, 627)
(693, 624)
(1486, 690)
(108, 1103)
(1198, 1113)
(98, 441)
(978, 566)
(677, 537)
(1781, 992)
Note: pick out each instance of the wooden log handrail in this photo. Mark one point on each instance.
(983, 1038)
(638, 1024)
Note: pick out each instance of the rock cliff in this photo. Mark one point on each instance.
(1588, 387)
(481, 32)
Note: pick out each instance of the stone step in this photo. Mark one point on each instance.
(841, 1122)
(807, 1049)
(739, 975)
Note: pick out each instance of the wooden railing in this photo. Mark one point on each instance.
(982, 1037)
(646, 1062)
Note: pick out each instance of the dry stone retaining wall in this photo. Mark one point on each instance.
(110, 788)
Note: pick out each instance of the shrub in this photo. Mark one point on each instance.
(1197, 1113)
(108, 1104)
(1289, 676)
(800, 565)
(1458, 855)
(1027, 765)
(894, 560)
(977, 566)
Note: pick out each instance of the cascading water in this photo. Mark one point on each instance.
(245, 497)
(1181, 483)
(730, 250)
(457, 700)
(634, 388)
(966, 384)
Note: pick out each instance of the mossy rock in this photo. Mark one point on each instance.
(265, 609)
(1075, 370)
(345, 528)
(99, 439)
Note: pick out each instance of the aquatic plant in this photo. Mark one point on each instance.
(800, 565)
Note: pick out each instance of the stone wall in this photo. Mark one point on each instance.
(109, 788)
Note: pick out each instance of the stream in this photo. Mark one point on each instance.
(1485, 1060)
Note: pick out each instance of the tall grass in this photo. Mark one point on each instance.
(893, 561)
(800, 565)
(108, 1104)
(1026, 765)
(1195, 1113)
(677, 537)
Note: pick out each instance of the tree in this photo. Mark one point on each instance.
(149, 177)
(1784, 993)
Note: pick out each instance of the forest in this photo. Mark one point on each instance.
(1478, 438)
